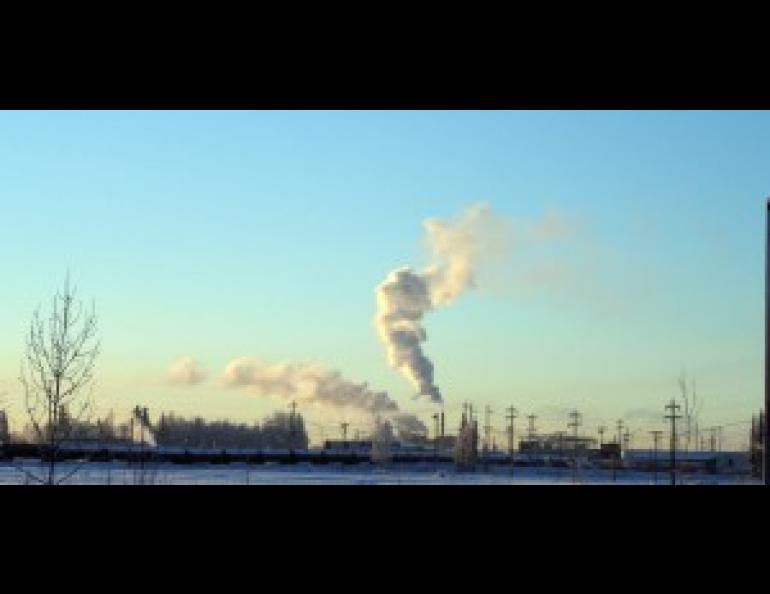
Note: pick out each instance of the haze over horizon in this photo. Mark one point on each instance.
(634, 249)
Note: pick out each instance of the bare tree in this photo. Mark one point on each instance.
(4, 430)
(692, 408)
(57, 375)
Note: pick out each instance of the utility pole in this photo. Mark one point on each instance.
(574, 424)
(435, 434)
(142, 412)
(673, 407)
(601, 431)
(511, 416)
(344, 427)
(560, 438)
(656, 438)
(626, 439)
(474, 428)
(619, 425)
(487, 427)
(531, 429)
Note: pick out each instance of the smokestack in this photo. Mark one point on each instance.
(766, 461)
(442, 424)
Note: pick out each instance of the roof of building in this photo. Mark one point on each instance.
(681, 455)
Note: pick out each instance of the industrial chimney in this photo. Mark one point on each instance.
(765, 461)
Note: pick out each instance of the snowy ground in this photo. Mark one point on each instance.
(364, 474)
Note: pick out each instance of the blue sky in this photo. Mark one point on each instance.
(224, 234)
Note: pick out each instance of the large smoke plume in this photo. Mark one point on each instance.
(405, 296)
(313, 384)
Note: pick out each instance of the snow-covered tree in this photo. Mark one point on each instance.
(381, 440)
(4, 432)
(466, 448)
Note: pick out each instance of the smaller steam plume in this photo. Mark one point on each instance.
(313, 384)
(186, 372)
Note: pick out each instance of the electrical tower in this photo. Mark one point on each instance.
(673, 407)
(620, 432)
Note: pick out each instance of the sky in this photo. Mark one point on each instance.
(218, 235)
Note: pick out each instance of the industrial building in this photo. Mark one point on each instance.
(710, 462)
(557, 444)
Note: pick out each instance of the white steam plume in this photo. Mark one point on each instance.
(312, 383)
(142, 428)
(405, 296)
(186, 372)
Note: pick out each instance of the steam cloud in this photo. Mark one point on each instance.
(186, 372)
(406, 296)
(312, 383)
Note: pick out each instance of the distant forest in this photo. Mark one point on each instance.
(280, 430)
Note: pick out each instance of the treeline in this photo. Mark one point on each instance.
(281, 431)
(67, 428)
